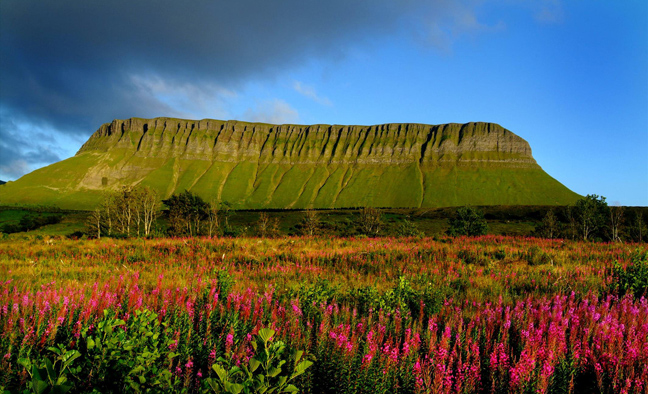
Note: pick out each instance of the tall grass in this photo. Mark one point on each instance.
(463, 315)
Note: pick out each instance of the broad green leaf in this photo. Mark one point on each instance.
(222, 374)
(233, 388)
(70, 356)
(137, 370)
(51, 374)
(301, 368)
(290, 389)
(39, 386)
(297, 355)
(266, 334)
(55, 350)
(254, 364)
(25, 362)
(90, 343)
(62, 389)
(274, 372)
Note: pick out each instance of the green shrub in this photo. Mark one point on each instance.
(408, 229)
(311, 296)
(633, 278)
(467, 221)
(225, 283)
(49, 377)
(264, 373)
(131, 355)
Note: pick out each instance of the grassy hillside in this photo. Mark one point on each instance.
(258, 166)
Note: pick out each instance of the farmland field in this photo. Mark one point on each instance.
(373, 315)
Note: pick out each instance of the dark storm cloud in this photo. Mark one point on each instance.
(72, 64)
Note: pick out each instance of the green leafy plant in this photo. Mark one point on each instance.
(130, 354)
(633, 278)
(225, 283)
(49, 377)
(264, 373)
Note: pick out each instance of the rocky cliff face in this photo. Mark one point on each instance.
(316, 144)
(254, 165)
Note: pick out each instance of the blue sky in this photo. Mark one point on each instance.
(570, 77)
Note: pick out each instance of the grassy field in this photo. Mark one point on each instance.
(372, 315)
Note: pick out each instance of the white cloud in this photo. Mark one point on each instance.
(309, 91)
(441, 23)
(14, 169)
(191, 100)
(272, 111)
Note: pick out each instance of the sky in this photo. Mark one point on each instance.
(570, 77)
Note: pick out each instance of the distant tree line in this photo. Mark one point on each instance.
(591, 219)
(133, 211)
(31, 222)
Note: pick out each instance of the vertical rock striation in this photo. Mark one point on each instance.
(255, 165)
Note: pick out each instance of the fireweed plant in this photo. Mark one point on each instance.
(374, 315)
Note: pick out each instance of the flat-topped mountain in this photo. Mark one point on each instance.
(255, 165)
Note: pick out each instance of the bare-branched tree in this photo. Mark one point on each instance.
(616, 221)
(370, 222)
(310, 223)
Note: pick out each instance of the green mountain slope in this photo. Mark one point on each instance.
(254, 165)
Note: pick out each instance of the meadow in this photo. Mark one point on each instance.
(489, 314)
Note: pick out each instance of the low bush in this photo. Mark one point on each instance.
(633, 278)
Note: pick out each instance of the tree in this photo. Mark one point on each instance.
(212, 218)
(95, 221)
(107, 209)
(151, 209)
(123, 203)
(187, 212)
(226, 212)
(467, 221)
(638, 229)
(263, 224)
(267, 226)
(310, 223)
(549, 226)
(570, 230)
(591, 213)
(616, 221)
(370, 222)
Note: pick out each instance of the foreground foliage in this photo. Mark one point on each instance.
(463, 315)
